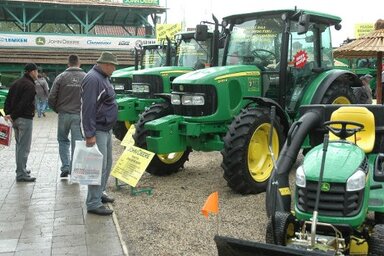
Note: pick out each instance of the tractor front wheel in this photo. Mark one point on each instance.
(247, 161)
(376, 241)
(120, 129)
(282, 229)
(161, 164)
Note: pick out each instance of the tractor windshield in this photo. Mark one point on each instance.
(256, 42)
(192, 53)
(154, 57)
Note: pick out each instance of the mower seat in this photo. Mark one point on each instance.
(365, 138)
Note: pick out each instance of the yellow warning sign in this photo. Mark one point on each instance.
(362, 29)
(164, 30)
(132, 164)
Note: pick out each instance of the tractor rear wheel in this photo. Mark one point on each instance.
(339, 93)
(120, 129)
(247, 162)
(284, 229)
(376, 241)
(161, 164)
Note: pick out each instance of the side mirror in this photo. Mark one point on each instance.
(201, 33)
(302, 26)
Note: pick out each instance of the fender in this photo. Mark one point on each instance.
(332, 75)
(267, 102)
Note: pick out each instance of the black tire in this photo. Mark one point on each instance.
(285, 227)
(157, 166)
(339, 93)
(237, 167)
(119, 130)
(376, 241)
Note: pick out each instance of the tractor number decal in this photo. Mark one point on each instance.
(285, 191)
(325, 187)
(253, 84)
(300, 59)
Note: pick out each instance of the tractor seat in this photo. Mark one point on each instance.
(365, 138)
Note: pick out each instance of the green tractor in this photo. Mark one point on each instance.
(3, 95)
(194, 50)
(147, 56)
(280, 58)
(339, 195)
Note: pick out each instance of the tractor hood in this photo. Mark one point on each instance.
(342, 160)
(163, 70)
(203, 76)
(125, 72)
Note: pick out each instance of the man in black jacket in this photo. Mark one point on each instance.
(19, 108)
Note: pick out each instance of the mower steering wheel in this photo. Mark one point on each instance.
(343, 132)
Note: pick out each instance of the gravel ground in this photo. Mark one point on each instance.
(169, 222)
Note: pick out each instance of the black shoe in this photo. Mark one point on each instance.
(106, 199)
(101, 211)
(26, 179)
(64, 174)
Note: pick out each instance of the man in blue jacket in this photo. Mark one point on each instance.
(98, 116)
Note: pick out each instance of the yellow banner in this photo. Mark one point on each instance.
(164, 30)
(128, 140)
(131, 165)
(362, 29)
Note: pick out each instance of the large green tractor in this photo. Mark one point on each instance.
(279, 58)
(3, 95)
(147, 56)
(194, 50)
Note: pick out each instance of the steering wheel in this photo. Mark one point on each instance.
(265, 56)
(343, 132)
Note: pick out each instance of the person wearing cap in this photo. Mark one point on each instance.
(364, 93)
(64, 99)
(98, 116)
(19, 108)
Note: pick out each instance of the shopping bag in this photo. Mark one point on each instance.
(5, 132)
(87, 164)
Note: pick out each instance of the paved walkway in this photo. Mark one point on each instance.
(49, 217)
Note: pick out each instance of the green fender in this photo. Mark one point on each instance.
(318, 87)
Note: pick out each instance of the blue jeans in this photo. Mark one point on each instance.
(68, 123)
(104, 143)
(41, 106)
(23, 136)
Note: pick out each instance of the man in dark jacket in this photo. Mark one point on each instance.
(19, 108)
(98, 116)
(64, 99)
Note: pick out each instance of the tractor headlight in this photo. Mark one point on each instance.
(119, 87)
(300, 177)
(194, 100)
(356, 181)
(175, 99)
(140, 88)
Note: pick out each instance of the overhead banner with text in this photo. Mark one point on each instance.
(74, 42)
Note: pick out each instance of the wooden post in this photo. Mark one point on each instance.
(379, 88)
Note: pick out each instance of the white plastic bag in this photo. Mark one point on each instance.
(5, 132)
(87, 164)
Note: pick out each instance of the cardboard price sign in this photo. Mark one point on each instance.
(132, 164)
(128, 139)
(164, 30)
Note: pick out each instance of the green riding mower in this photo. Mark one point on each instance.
(339, 194)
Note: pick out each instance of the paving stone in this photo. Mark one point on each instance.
(8, 245)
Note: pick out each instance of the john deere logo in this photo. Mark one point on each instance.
(325, 187)
(40, 40)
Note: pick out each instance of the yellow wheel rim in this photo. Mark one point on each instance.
(341, 100)
(170, 158)
(259, 158)
(127, 124)
(290, 232)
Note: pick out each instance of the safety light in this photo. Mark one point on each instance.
(140, 88)
(356, 181)
(300, 177)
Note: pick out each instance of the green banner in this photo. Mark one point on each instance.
(142, 2)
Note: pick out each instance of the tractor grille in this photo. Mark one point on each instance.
(210, 97)
(155, 83)
(337, 202)
(118, 82)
